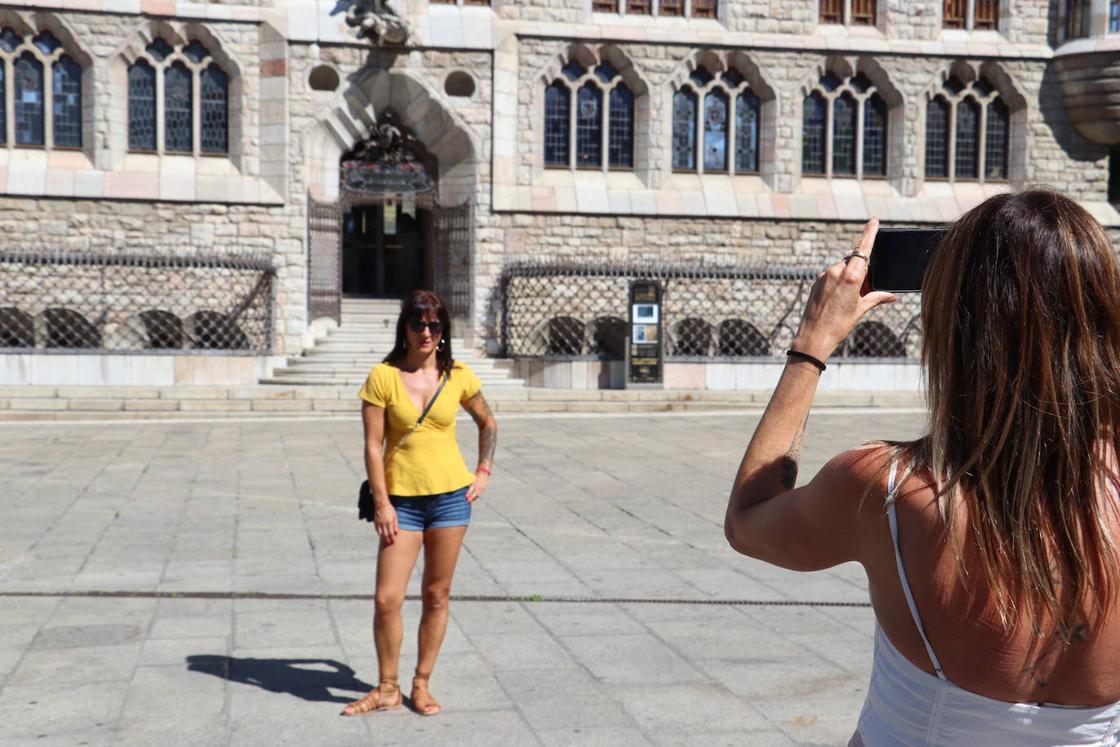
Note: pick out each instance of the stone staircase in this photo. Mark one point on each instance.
(345, 356)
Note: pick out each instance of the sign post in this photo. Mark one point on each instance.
(645, 342)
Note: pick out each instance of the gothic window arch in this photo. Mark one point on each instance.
(178, 100)
(968, 130)
(46, 92)
(589, 119)
(844, 128)
(719, 114)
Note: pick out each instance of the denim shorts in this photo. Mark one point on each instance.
(415, 513)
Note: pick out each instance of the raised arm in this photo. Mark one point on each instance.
(487, 443)
(766, 517)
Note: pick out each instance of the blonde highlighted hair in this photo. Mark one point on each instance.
(1021, 324)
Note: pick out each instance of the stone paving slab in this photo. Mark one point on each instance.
(613, 613)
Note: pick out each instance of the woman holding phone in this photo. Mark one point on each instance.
(990, 543)
(422, 488)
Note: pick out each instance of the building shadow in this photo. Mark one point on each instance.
(309, 679)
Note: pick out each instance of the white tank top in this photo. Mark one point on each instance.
(907, 706)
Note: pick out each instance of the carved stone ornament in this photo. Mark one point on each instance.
(378, 20)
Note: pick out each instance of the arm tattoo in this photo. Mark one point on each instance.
(789, 462)
(487, 430)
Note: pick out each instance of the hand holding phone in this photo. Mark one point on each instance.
(899, 259)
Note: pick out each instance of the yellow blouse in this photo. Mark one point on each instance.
(429, 461)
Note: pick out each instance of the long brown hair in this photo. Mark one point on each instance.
(1021, 346)
(417, 305)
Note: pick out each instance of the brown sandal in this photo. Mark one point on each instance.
(375, 700)
(422, 700)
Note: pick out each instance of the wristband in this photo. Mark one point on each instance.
(486, 470)
(791, 353)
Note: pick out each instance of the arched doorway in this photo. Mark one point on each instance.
(387, 196)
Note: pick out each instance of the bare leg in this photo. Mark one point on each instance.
(394, 567)
(441, 552)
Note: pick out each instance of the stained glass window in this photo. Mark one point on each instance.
(605, 72)
(46, 42)
(968, 139)
(159, 50)
(178, 98)
(995, 141)
(746, 132)
(620, 134)
(9, 40)
(700, 76)
(141, 106)
(589, 126)
(844, 135)
(937, 138)
(716, 113)
(67, 105)
(556, 125)
(812, 134)
(573, 70)
(195, 51)
(214, 116)
(704, 8)
(1113, 16)
(875, 136)
(29, 98)
(684, 129)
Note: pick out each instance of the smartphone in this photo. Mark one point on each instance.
(900, 256)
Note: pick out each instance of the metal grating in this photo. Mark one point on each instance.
(324, 260)
(124, 303)
(453, 259)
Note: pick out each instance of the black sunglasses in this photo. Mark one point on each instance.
(418, 326)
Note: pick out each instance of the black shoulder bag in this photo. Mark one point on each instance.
(365, 495)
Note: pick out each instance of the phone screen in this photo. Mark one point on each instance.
(900, 256)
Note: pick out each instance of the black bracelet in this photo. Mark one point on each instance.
(806, 357)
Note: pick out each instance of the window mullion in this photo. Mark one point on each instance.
(160, 108)
(732, 127)
(698, 149)
(861, 105)
(982, 143)
(952, 155)
(10, 101)
(828, 102)
(847, 12)
(970, 14)
(196, 112)
(48, 103)
(604, 128)
(573, 131)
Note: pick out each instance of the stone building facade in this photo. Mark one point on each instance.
(469, 91)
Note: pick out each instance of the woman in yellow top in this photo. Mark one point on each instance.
(422, 488)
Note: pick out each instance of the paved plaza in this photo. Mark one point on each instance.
(208, 583)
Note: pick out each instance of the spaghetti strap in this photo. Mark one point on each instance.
(892, 519)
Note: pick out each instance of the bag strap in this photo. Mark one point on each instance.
(424, 414)
(432, 401)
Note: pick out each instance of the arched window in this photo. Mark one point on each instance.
(211, 330)
(728, 119)
(872, 340)
(967, 162)
(856, 113)
(603, 119)
(937, 138)
(589, 122)
(556, 99)
(609, 337)
(875, 136)
(995, 145)
(164, 330)
(746, 132)
(693, 337)
(67, 328)
(184, 70)
(214, 114)
(565, 336)
(17, 330)
(814, 120)
(66, 110)
(28, 59)
(178, 103)
(738, 337)
(620, 140)
(716, 111)
(684, 129)
(981, 125)
(28, 72)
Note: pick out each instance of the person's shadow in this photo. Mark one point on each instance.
(310, 679)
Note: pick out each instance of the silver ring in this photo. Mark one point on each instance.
(855, 254)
